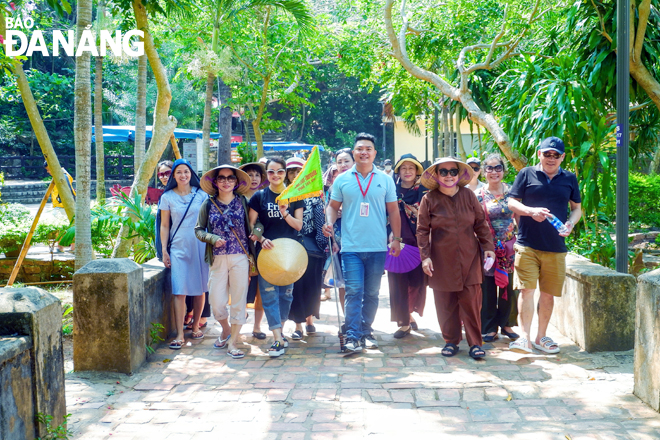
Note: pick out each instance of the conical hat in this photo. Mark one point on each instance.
(284, 264)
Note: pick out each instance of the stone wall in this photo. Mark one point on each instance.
(33, 192)
(597, 306)
(39, 269)
(31, 362)
(130, 298)
(647, 339)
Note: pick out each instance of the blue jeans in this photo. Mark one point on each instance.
(276, 301)
(362, 274)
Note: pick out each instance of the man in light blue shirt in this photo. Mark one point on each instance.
(366, 196)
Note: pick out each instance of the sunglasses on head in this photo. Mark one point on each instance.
(164, 174)
(551, 154)
(444, 172)
(496, 168)
(281, 172)
(230, 179)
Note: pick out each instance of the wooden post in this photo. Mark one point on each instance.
(175, 148)
(26, 244)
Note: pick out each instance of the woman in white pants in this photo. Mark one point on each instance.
(223, 225)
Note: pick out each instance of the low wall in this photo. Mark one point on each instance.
(647, 339)
(130, 298)
(31, 362)
(39, 269)
(33, 192)
(597, 306)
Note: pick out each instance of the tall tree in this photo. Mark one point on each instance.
(98, 109)
(140, 113)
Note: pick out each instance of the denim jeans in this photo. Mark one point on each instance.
(362, 273)
(276, 301)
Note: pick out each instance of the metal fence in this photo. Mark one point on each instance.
(32, 167)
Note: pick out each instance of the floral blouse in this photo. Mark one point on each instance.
(501, 220)
(233, 217)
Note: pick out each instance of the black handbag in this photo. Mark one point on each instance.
(312, 247)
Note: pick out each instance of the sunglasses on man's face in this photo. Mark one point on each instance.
(476, 169)
(452, 172)
(495, 169)
(550, 154)
(230, 179)
(280, 172)
(164, 174)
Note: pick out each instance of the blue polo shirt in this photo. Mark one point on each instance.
(533, 187)
(363, 234)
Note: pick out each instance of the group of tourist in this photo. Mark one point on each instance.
(478, 243)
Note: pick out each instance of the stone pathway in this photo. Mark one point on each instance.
(406, 389)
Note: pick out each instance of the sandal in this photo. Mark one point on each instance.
(297, 335)
(221, 343)
(188, 320)
(547, 345)
(176, 344)
(197, 335)
(450, 350)
(477, 352)
(236, 354)
(259, 335)
(520, 346)
(190, 325)
(488, 337)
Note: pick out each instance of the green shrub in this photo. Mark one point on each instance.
(2, 183)
(644, 199)
(15, 222)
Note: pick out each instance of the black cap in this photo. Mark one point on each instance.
(552, 144)
(387, 162)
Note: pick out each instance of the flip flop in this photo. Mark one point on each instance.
(221, 343)
(236, 354)
(520, 346)
(546, 344)
(176, 344)
(197, 335)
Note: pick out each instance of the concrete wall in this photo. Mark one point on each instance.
(33, 192)
(45, 268)
(158, 297)
(647, 339)
(597, 306)
(33, 359)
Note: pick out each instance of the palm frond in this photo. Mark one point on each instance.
(297, 8)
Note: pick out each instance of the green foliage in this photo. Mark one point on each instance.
(59, 432)
(140, 220)
(15, 222)
(246, 152)
(154, 333)
(67, 320)
(595, 244)
(643, 202)
(2, 182)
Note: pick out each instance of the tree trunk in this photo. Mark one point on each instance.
(459, 135)
(206, 127)
(163, 127)
(98, 123)
(477, 115)
(82, 128)
(224, 123)
(40, 132)
(258, 137)
(446, 141)
(140, 114)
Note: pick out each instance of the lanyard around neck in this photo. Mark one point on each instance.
(364, 192)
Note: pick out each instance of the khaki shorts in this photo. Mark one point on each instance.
(548, 268)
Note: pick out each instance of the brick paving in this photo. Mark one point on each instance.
(403, 389)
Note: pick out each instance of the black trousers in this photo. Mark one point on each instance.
(206, 311)
(495, 310)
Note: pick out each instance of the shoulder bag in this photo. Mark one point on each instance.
(159, 251)
(253, 265)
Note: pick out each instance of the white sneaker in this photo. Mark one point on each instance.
(369, 342)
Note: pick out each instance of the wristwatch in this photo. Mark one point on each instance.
(399, 239)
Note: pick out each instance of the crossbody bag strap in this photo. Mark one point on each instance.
(483, 201)
(232, 229)
(184, 216)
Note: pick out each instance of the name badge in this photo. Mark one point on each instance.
(364, 209)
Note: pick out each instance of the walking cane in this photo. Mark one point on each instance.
(342, 339)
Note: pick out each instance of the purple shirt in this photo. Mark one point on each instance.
(233, 217)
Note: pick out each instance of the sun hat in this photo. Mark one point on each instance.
(284, 264)
(208, 180)
(294, 162)
(409, 158)
(552, 144)
(430, 176)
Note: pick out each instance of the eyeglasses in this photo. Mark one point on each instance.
(494, 169)
(164, 174)
(279, 172)
(476, 169)
(230, 179)
(550, 154)
(443, 172)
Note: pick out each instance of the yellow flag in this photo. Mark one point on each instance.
(308, 183)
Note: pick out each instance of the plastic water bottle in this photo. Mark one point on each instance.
(559, 226)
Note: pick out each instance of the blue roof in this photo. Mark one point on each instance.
(126, 133)
(282, 146)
